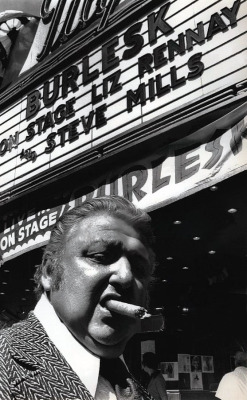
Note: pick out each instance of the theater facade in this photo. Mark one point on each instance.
(144, 99)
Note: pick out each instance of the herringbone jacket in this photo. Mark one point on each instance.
(32, 368)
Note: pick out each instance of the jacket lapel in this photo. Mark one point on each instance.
(39, 370)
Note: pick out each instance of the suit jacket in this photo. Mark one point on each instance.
(32, 368)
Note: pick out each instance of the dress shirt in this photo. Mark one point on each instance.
(85, 364)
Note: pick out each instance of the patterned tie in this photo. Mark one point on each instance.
(124, 385)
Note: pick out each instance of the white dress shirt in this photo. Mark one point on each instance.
(85, 364)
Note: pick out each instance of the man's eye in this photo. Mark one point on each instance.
(97, 256)
(103, 258)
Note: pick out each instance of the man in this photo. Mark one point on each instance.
(94, 276)
(233, 385)
(156, 385)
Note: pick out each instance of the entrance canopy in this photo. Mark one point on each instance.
(203, 158)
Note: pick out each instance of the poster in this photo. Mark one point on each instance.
(147, 346)
(183, 363)
(169, 370)
(196, 380)
(207, 364)
(195, 363)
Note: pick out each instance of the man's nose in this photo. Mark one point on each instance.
(122, 273)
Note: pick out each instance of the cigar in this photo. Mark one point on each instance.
(130, 310)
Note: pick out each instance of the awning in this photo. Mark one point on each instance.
(199, 160)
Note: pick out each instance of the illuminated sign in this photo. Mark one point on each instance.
(182, 168)
(63, 19)
(172, 56)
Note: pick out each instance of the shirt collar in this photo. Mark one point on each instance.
(84, 364)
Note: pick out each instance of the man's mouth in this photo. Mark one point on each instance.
(127, 309)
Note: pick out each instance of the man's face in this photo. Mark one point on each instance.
(103, 259)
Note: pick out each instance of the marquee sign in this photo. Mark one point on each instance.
(61, 20)
(173, 55)
(204, 158)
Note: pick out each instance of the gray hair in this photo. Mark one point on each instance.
(241, 359)
(115, 206)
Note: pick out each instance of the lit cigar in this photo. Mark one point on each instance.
(130, 310)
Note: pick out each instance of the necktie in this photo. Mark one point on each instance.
(114, 371)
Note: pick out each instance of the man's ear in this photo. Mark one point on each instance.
(46, 281)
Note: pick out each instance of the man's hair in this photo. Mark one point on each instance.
(114, 206)
(150, 360)
(241, 359)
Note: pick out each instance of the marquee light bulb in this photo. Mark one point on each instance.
(232, 210)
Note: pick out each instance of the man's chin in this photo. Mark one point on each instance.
(108, 346)
(105, 349)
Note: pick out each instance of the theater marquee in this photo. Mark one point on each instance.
(172, 56)
(176, 171)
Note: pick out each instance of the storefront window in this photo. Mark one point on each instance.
(201, 287)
